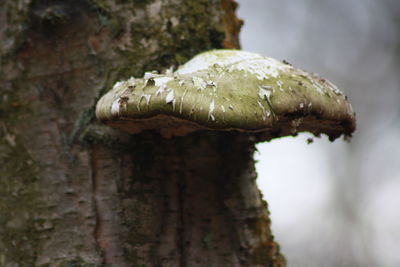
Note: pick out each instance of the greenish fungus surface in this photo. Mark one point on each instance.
(229, 90)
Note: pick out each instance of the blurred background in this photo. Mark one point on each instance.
(335, 204)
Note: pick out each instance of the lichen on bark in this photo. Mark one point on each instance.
(79, 195)
(19, 188)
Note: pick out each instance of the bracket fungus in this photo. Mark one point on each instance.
(229, 90)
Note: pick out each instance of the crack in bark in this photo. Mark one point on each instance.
(181, 220)
(97, 226)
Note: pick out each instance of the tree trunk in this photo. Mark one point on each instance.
(75, 193)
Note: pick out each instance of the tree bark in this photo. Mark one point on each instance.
(76, 193)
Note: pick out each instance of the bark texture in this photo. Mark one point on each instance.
(74, 193)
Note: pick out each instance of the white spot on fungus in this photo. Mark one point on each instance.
(235, 60)
(318, 86)
(170, 71)
(148, 97)
(264, 111)
(170, 98)
(160, 90)
(265, 92)
(211, 84)
(131, 80)
(181, 104)
(211, 110)
(199, 83)
(160, 81)
(261, 67)
(334, 88)
(197, 63)
(115, 107)
(280, 83)
(118, 84)
(149, 75)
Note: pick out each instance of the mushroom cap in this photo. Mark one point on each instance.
(229, 90)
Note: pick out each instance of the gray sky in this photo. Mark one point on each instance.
(335, 204)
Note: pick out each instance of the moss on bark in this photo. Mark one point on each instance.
(73, 194)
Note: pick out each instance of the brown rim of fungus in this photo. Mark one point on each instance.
(229, 90)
